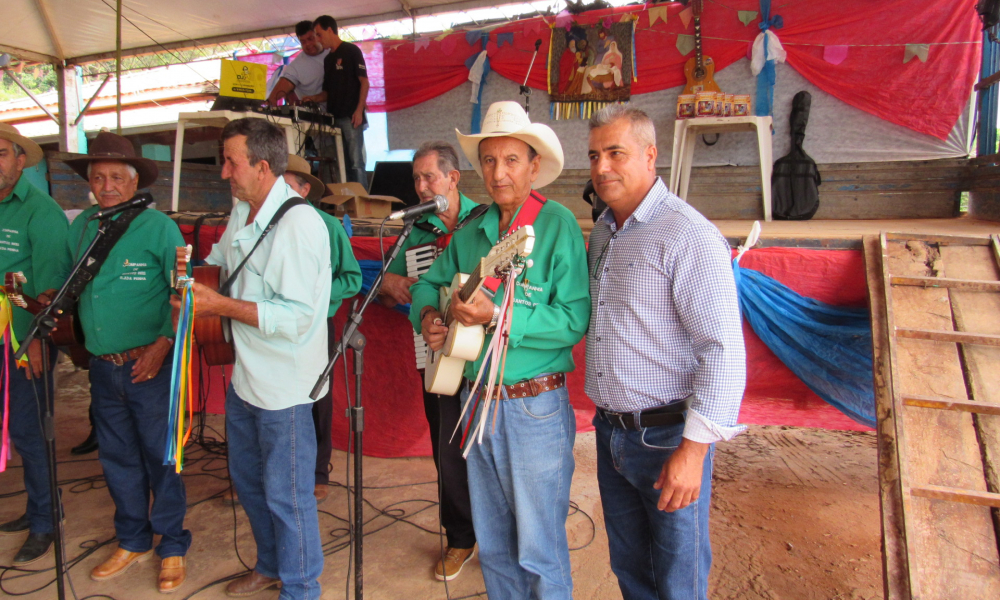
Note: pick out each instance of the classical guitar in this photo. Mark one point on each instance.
(444, 367)
(212, 335)
(699, 71)
(66, 335)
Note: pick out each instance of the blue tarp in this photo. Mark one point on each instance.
(828, 347)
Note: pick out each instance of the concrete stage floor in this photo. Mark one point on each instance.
(795, 516)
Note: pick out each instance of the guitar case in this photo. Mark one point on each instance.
(795, 179)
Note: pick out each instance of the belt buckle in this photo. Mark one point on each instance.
(117, 359)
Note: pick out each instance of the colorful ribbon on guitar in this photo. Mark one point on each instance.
(181, 384)
(10, 346)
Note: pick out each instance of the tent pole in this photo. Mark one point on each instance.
(118, 67)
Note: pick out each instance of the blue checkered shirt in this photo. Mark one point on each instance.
(665, 323)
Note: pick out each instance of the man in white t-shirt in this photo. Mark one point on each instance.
(304, 75)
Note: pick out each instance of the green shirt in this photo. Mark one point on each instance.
(346, 270)
(552, 300)
(419, 237)
(32, 240)
(128, 304)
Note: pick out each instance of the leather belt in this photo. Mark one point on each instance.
(120, 358)
(672, 414)
(536, 386)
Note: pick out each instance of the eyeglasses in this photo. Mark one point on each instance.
(596, 274)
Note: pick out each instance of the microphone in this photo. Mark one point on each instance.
(137, 201)
(438, 205)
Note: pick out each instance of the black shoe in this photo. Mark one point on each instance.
(89, 445)
(35, 548)
(18, 525)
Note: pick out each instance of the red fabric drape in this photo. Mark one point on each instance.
(926, 97)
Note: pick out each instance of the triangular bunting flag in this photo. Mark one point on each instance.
(473, 36)
(746, 16)
(564, 19)
(607, 22)
(686, 15)
(505, 38)
(443, 35)
(626, 18)
(685, 44)
(657, 13)
(834, 54)
(448, 44)
(533, 26)
(917, 50)
(421, 43)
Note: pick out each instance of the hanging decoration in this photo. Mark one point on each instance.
(657, 13)
(746, 16)
(918, 51)
(686, 15)
(478, 71)
(767, 51)
(685, 44)
(590, 66)
(181, 405)
(835, 54)
(420, 44)
(10, 346)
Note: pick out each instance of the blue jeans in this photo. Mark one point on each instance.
(131, 424)
(273, 459)
(354, 150)
(519, 480)
(25, 421)
(655, 555)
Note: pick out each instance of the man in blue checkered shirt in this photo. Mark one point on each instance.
(666, 365)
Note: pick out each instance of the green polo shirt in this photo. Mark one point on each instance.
(419, 237)
(346, 270)
(128, 304)
(32, 240)
(552, 299)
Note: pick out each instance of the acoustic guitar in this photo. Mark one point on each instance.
(212, 335)
(464, 342)
(67, 334)
(699, 71)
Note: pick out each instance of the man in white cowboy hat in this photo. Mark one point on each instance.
(125, 316)
(32, 241)
(346, 283)
(519, 476)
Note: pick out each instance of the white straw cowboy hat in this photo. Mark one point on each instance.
(32, 151)
(508, 119)
(300, 166)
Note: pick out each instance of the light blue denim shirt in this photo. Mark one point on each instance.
(288, 277)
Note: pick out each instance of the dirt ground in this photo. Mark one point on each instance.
(795, 517)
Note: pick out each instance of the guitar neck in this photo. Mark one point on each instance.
(697, 41)
(471, 285)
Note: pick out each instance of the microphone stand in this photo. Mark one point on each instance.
(355, 340)
(41, 329)
(525, 90)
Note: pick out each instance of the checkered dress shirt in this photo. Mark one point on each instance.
(665, 325)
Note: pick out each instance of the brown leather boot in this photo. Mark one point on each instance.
(173, 572)
(250, 584)
(116, 565)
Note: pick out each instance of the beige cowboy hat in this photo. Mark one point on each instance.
(300, 166)
(32, 151)
(508, 119)
(110, 147)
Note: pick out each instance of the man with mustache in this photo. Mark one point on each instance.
(125, 316)
(435, 172)
(32, 241)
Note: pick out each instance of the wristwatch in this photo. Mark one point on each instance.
(496, 317)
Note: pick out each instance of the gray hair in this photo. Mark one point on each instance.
(18, 151)
(265, 141)
(642, 128)
(447, 157)
(131, 170)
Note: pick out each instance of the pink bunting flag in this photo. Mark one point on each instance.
(834, 54)
(607, 22)
(533, 26)
(564, 19)
(420, 44)
(686, 15)
(448, 44)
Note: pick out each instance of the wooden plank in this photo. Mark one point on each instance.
(895, 568)
(952, 404)
(951, 547)
(946, 282)
(957, 337)
(938, 239)
(940, 492)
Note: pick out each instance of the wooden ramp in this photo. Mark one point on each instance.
(935, 303)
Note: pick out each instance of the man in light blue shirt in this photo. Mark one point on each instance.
(278, 308)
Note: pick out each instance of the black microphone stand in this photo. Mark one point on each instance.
(41, 329)
(355, 340)
(525, 90)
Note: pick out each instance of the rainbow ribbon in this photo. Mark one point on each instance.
(181, 384)
(9, 345)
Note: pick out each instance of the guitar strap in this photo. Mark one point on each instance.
(288, 205)
(526, 216)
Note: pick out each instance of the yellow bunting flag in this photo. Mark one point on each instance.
(657, 13)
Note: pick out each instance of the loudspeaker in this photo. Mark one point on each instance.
(394, 179)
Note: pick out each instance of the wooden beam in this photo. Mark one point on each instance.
(53, 35)
(937, 239)
(957, 337)
(940, 492)
(987, 82)
(964, 405)
(28, 55)
(945, 282)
